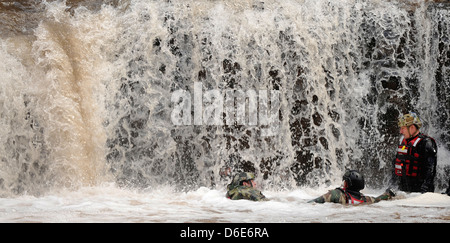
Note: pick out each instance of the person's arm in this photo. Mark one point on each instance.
(334, 196)
(429, 166)
(387, 195)
(258, 196)
(320, 199)
(393, 180)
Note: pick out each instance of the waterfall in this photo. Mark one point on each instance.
(298, 91)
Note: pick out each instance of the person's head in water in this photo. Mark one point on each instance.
(245, 179)
(353, 180)
(243, 186)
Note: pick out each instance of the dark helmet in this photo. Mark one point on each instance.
(354, 179)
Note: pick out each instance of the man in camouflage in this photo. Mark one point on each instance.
(243, 186)
(350, 192)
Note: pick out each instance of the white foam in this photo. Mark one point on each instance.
(111, 204)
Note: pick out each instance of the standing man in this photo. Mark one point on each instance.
(415, 163)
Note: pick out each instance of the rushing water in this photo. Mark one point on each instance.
(87, 91)
(107, 203)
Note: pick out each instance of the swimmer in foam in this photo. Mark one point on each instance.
(349, 193)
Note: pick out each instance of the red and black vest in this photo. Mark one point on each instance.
(353, 199)
(408, 161)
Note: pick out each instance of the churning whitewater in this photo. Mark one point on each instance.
(108, 203)
(142, 111)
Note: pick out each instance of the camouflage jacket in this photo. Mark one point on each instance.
(245, 192)
(339, 195)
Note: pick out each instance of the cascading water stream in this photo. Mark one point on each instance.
(88, 91)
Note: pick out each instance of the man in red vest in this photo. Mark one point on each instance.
(415, 163)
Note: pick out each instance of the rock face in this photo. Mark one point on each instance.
(295, 92)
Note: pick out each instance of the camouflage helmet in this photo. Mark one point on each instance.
(243, 176)
(409, 119)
